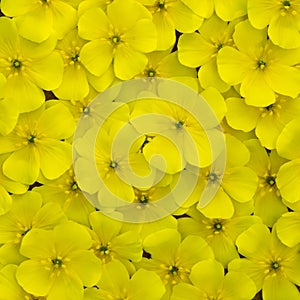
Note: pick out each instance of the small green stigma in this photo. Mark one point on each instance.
(31, 139)
(113, 164)
(179, 124)
(16, 64)
(144, 199)
(161, 4)
(74, 186)
(57, 262)
(173, 270)
(218, 226)
(270, 180)
(86, 110)
(75, 57)
(151, 73)
(286, 4)
(269, 107)
(212, 177)
(220, 46)
(115, 39)
(275, 265)
(104, 249)
(261, 64)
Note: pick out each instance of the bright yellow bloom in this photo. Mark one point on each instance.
(272, 266)
(115, 284)
(263, 69)
(38, 19)
(268, 121)
(123, 36)
(36, 144)
(59, 263)
(182, 15)
(66, 192)
(209, 282)
(268, 193)
(27, 212)
(28, 67)
(282, 18)
(201, 49)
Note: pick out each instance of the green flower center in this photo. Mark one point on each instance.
(269, 107)
(144, 199)
(104, 249)
(115, 39)
(113, 164)
(57, 262)
(16, 64)
(275, 265)
(31, 139)
(151, 73)
(270, 180)
(86, 110)
(220, 46)
(261, 64)
(161, 4)
(212, 177)
(75, 57)
(173, 270)
(286, 4)
(179, 124)
(218, 226)
(25, 231)
(74, 186)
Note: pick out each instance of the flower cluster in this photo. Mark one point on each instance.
(242, 57)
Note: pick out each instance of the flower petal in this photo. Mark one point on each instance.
(47, 73)
(74, 85)
(34, 277)
(279, 287)
(56, 157)
(95, 63)
(56, 122)
(23, 165)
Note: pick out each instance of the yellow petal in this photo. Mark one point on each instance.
(55, 156)
(23, 165)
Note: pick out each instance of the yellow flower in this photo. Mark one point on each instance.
(282, 18)
(37, 20)
(263, 69)
(36, 144)
(123, 36)
(28, 67)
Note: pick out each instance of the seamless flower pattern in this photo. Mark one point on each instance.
(242, 57)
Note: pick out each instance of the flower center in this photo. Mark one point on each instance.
(75, 57)
(286, 4)
(151, 72)
(31, 139)
(74, 186)
(161, 4)
(220, 46)
(275, 265)
(261, 64)
(115, 39)
(179, 124)
(57, 262)
(212, 177)
(104, 249)
(86, 110)
(16, 64)
(113, 164)
(25, 231)
(218, 226)
(173, 270)
(270, 180)
(144, 199)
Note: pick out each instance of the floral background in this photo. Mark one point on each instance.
(243, 57)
